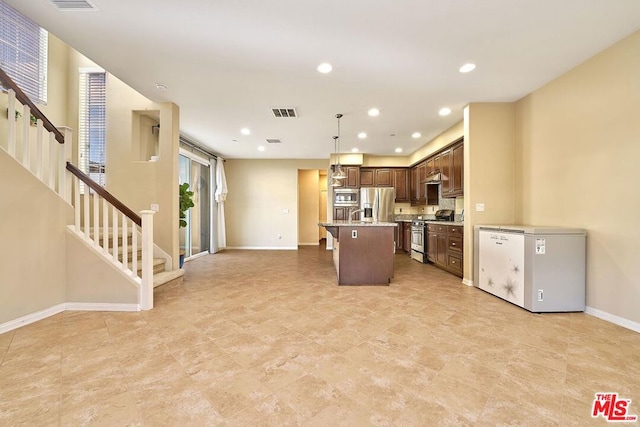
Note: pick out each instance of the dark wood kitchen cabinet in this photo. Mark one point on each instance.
(445, 172)
(376, 177)
(401, 185)
(444, 247)
(414, 185)
(341, 214)
(457, 170)
(406, 242)
(399, 236)
(353, 177)
(452, 166)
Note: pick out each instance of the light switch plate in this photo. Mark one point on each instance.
(285, 211)
(479, 207)
(155, 207)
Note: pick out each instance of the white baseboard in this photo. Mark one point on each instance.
(31, 318)
(467, 282)
(101, 306)
(620, 321)
(265, 248)
(309, 244)
(68, 306)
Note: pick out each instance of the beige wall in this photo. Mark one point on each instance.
(140, 183)
(90, 279)
(489, 170)
(32, 232)
(259, 191)
(445, 138)
(578, 165)
(308, 206)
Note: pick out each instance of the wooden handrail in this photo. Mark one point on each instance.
(105, 194)
(24, 100)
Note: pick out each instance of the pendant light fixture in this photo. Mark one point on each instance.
(338, 172)
(335, 182)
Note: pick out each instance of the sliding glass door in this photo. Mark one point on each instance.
(195, 238)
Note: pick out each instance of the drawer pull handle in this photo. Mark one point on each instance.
(453, 244)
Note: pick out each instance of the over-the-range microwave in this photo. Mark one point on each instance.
(345, 197)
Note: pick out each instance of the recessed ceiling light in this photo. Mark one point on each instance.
(416, 135)
(324, 68)
(444, 111)
(261, 148)
(234, 140)
(160, 87)
(245, 131)
(374, 112)
(362, 135)
(467, 68)
(354, 150)
(398, 150)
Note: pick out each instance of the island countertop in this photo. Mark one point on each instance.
(357, 224)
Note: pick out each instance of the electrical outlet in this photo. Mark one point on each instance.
(279, 236)
(155, 207)
(354, 234)
(540, 295)
(285, 211)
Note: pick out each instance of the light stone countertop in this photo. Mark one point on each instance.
(357, 224)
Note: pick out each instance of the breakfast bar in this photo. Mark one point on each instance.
(362, 251)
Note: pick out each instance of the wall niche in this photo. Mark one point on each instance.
(145, 138)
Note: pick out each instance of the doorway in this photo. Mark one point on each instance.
(195, 238)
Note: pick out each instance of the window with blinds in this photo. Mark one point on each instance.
(23, 53)
(92, 124)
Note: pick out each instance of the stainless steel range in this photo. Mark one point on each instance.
(419, 234)
(418, 241)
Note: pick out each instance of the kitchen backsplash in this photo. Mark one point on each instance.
(404, 211)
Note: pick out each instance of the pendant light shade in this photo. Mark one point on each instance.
(338, 172)
(335, 183)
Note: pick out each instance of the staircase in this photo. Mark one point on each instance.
(118, 235)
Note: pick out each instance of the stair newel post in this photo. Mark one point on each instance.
(146, 288)
(11, 114)
(26, 144)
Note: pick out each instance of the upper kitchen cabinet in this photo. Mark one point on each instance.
(457, 170)
(375, 177)
(401, 184)
(452, 166)
(353, 177)
(445, 168)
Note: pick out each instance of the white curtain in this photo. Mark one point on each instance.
(221, 196)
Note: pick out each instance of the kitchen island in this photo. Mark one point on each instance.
(362, 251)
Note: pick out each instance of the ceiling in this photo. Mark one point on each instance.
(226, 63)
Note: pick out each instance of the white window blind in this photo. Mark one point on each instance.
(23, 53)
(92, 125)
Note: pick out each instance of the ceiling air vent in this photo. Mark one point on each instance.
(284, 112)
(274, 141)
(73, 5)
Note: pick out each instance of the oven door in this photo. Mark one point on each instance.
(417, 238)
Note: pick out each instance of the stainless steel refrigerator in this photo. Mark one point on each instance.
(377, 204)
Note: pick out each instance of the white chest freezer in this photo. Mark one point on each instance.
(541, 269)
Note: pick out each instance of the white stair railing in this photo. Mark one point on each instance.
(113, 229)
(49, 162)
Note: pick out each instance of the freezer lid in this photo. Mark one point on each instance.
(531, 229)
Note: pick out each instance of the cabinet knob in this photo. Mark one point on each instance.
(453, 230)
(453, 262)
(453, 244)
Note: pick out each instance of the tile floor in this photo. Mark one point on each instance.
(256, 338)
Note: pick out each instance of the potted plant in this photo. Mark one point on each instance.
(185, 203)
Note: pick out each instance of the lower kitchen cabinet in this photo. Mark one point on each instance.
(444, 247)
(340, 214)
(406, 242)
